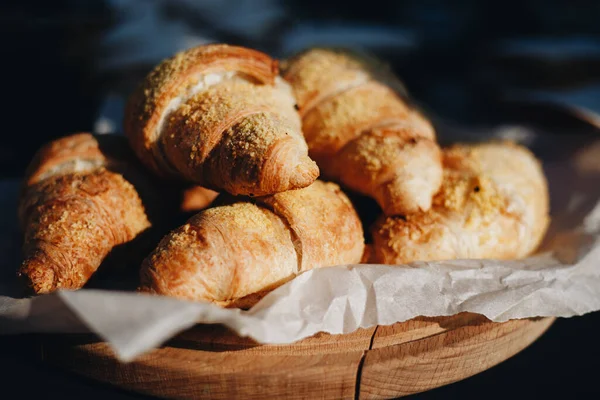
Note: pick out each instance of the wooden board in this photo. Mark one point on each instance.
(210, 362)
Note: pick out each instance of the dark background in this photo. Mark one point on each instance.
(69, 66)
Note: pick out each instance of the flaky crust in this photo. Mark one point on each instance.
(394, 166)
(334, 122)
(324, 223)
(73, 221)
(245, 148)
(493, 203)
(175, 75)
(75, 153)
(75, 207)
(246, 115)
(233, 254)
(345, 103)
(320, 73)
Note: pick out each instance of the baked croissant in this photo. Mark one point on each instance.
(235, 253)
(493, 203)
(362, 133)
(76, 205)
(219, 116)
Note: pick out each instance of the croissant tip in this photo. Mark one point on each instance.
(306, 172)
(399, 199)
(38, 276)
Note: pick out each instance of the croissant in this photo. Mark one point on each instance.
(493, 203)
(235, 253)
(362, 133)
(219, 116)
(77, 203)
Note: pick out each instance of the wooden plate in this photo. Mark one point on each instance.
(210, 362)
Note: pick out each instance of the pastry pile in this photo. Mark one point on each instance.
(285, 145)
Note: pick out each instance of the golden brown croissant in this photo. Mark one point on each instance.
(362, 133)
(76, 205)
(493, 204)
(220, 116)
(235, 253)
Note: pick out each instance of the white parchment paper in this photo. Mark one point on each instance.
(562, 280)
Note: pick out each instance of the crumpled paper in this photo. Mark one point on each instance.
(562, 280)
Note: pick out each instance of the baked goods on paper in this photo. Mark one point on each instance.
(221, 117)
(233, 254)
(493, 203)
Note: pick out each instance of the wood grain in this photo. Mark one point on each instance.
(211, 362)
(398, 365)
